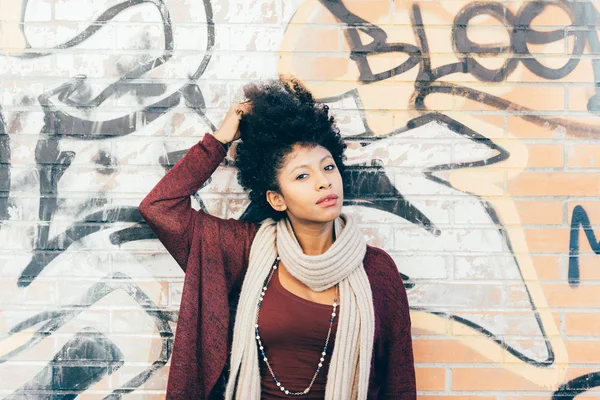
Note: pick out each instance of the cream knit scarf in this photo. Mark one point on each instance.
(350, 365)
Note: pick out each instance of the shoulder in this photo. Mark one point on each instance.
(375, 253)
(380, 266)
(384, 277)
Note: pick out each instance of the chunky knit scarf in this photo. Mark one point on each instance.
(342, 264)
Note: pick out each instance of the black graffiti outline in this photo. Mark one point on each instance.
(95, 26)
(52, 168)
(502, 155)
(579, 219)
(128, 79)
(52, 163)
(99, 23)
(427, 81)
(523, 31)
(95, 293)
(577, 386)
(66, 363)
(187, 91)
(58, 123)
(90, 224)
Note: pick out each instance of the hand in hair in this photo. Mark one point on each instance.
(229, 130)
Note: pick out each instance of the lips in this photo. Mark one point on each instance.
(326, 198)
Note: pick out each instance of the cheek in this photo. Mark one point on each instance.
(338, 179)
(296, 194)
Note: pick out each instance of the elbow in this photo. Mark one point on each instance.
(144, 208)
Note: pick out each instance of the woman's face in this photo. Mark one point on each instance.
(311, 185)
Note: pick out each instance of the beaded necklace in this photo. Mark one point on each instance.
(262, 349)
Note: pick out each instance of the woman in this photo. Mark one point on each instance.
(319, 313)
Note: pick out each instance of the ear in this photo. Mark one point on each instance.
(276, 200)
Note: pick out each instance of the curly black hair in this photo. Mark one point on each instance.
(283, 114)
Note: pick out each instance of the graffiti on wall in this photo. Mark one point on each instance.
(67, 138)
(437, 119)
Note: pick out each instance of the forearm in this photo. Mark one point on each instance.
(167, 208)
(171, 195)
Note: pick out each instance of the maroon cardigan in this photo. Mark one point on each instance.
(214, 254)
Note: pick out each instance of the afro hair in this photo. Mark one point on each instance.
(283, 114)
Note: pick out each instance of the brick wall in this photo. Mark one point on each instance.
(472, 130)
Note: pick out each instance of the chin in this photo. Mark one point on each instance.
(329, 215)
(319, 215)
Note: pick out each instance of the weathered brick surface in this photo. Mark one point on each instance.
(473, 137)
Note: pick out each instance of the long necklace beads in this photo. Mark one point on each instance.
(262, 349)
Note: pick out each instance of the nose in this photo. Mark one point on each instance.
(323, 182)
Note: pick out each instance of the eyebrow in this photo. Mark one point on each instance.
(306, 166)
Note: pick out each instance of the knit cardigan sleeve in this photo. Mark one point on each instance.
(396, 367)
(168, 212)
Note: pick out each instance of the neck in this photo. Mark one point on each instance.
(314, 238)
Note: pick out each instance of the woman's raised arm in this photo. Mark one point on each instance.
(167, 208)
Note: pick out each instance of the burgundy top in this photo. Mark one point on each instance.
(293, 331)
(214, 254)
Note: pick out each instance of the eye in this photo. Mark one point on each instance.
(330, 167)
(301, 176)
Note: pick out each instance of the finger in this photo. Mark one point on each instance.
(246, 106)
